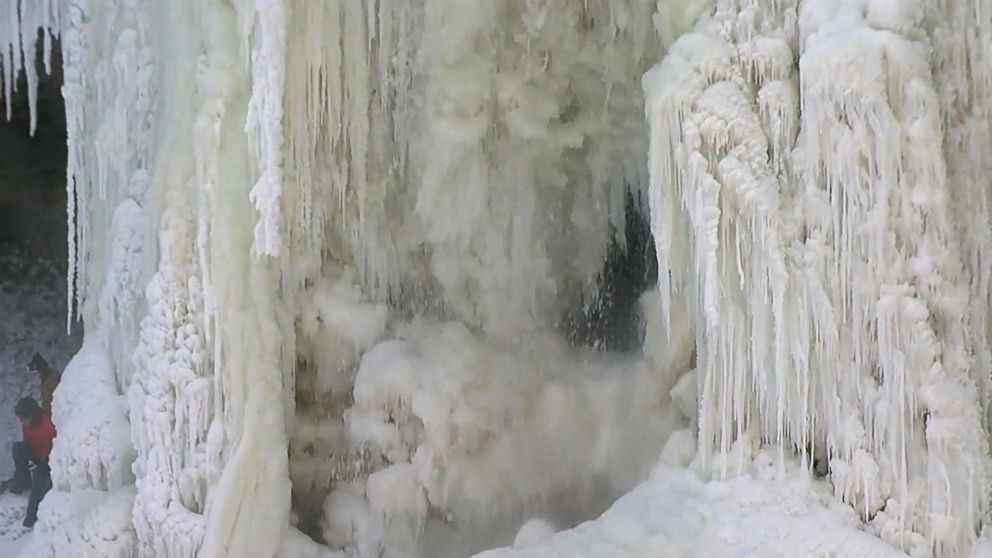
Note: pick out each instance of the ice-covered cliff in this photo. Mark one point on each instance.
(323, 251)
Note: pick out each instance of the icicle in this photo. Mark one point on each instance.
(20, 23)
(265, 122)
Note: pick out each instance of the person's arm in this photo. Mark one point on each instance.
(48, 390)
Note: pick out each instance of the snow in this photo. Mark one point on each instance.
(678, 513)
(298, 545)
(533, 532)
(84, 523)
(475, 433)
(94, 449)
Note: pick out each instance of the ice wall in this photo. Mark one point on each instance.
(809, 157)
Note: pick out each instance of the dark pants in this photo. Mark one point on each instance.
(38, 479)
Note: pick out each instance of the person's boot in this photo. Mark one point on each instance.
(29, 522)
(5, 486)
(18, 488)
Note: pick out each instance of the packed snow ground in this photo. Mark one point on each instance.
(764, 513)
(676, 514)
(13, 536)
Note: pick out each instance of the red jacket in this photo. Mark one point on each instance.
(39, 436)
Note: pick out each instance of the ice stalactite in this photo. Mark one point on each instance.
(170, 402)
(21, 22)
(348, 112)
(227, 398)
(110, 97)
(927, 380)
(961, 64)
(830, 294)
(265, 120)
(247, 509)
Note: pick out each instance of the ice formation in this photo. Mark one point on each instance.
(802, 148)
(321, 251)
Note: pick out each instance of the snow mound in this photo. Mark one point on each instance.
(84, 524)
(676, 513)
(467, 415)
(298, 545)
(93, 449)
(477, 434)
(533, 532)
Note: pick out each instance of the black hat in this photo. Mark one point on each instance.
(38, 362)
(27, 407)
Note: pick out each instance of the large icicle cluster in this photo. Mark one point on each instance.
(21, 23)
(823, 249)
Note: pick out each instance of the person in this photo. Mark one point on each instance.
(50, 378)
(31, 471)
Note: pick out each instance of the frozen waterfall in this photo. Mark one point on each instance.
(325, 252)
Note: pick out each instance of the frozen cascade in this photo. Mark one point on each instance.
(433, 101)
(304, 236)
(825, 265)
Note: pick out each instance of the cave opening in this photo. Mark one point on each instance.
(611, 319)
(33, 243)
